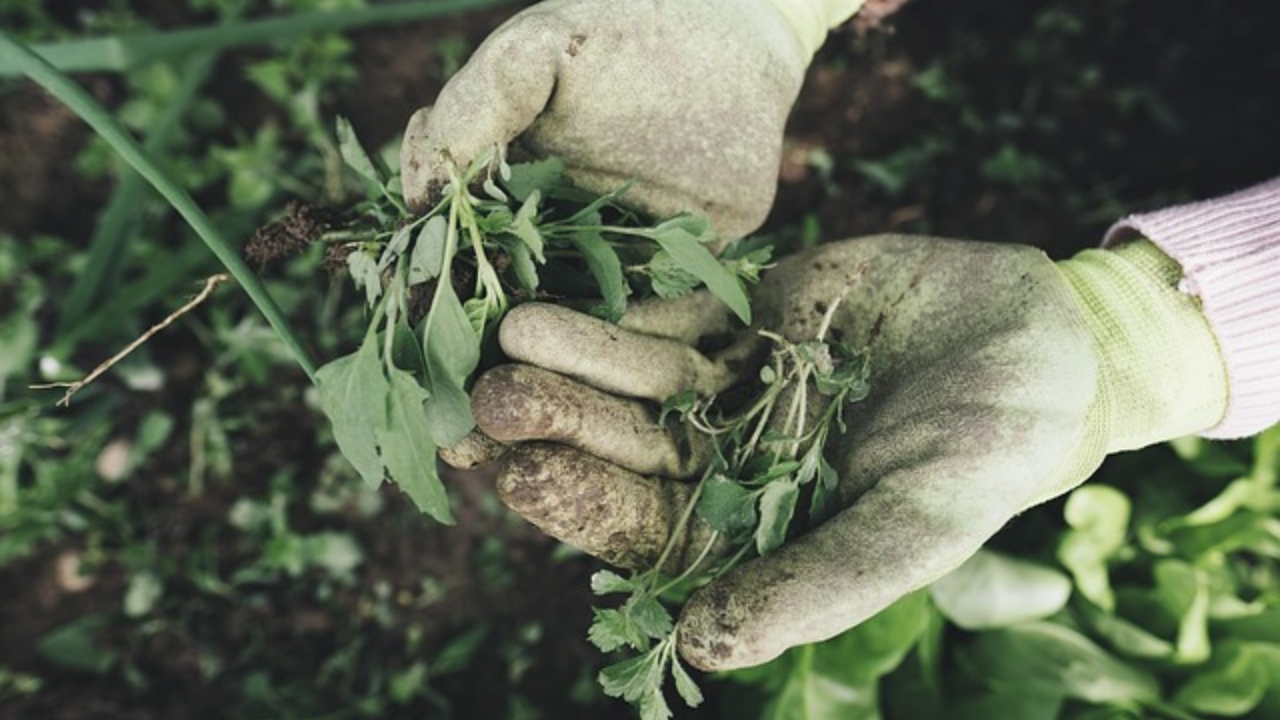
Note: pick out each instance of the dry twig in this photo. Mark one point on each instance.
(210, 284)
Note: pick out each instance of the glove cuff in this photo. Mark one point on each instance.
(1161, 372)
(1229, 249)
(811, 19)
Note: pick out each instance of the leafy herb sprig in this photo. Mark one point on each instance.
(765, 458)
(528, 234)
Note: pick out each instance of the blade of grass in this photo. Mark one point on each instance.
(79, 101)
(106, 258)
(119, 53)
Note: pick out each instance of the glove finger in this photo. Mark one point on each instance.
(473, 451)
(514, 403)
(493, 98)
(614, 359)
(693, 319)
(889, 543)
(605, 510)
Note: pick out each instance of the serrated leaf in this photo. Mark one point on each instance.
(605, 582)
(649, 616)
(353, 154)
(427, 258)
(653, 706)
(409, 456)
(682, 237)
(365, 275)
(777, 506)
(611, 630)
(668, 278)
(727, 506)
(605, 267)
(353, 395)
(685, 686)
(631, 678)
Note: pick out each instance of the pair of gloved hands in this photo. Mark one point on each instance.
(999, 379)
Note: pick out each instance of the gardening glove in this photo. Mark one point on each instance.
(686, 99)
(998, 380)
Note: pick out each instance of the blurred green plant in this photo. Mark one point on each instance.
(1164, 602)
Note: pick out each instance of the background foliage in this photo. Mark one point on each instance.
(184, 540)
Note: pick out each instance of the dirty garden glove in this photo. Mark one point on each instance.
(998, 380)
(686, 99)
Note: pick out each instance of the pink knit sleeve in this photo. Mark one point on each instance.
(1229, 249)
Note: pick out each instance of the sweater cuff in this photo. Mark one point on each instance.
(1229, 250)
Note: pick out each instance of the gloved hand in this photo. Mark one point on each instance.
(686, 99)
(999, 379)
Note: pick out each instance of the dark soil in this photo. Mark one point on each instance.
(1141, 103)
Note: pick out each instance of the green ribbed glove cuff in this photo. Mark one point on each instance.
(811, 19)
(1161, 372)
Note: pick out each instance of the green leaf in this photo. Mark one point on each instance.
(364, 273)
(1235, 682)
(653, 706)
(1099, 519)
(1183, 589)
(668, 278)
(539, 176)
(1126, 637)
(993, 590)
(75, 646)
(727, 506)
(427, 258)
(452, 349)
(877, 646)
(1005, 705)
(605, 582)
(632, 678)
(605, 267)
(353, 394)
(682, 237)
(812, 693)
(1053, 660)
(353, 153)
(409, 456)
(522, 226)
(395, 247)
(145, 590)
(522, 264)
(685, 686)
(612, 629)
(777, 505)
(649, 616)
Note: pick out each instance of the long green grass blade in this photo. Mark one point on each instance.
(106, 259)
(79, 101)
(119, 53)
